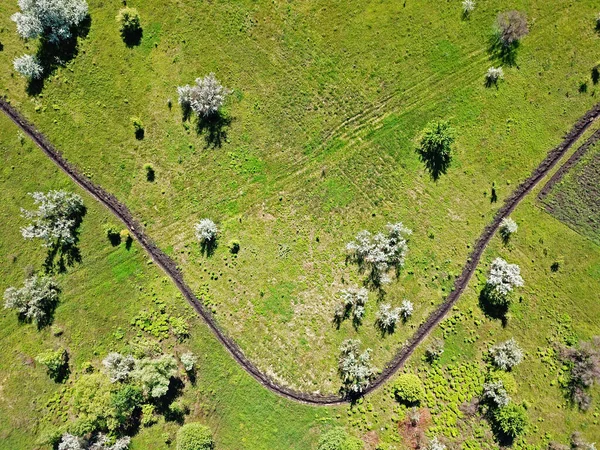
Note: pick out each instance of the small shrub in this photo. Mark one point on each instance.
(503, 278)
(406, 309)
(179, 328)
(205, 98)
(508, 227)
(189, 361)
(194, 436)
(130, 25)
(387, 317)
(112, 233)
(150, 174)
(338, 439)
(467, 7)
(29, 66)
(408, 389)
(434, 350)
(584, 370)
(510, 421)
(234, 246)
(118, 367)
(579, 443)
(125, 401)
(148, 416)
(206, 231)
(506, 355)
(56, 362)
(353, 301)
(435, 444)
(493, 75)
(138, 127)
(495, 394)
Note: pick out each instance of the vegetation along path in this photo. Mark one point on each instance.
(168, 265)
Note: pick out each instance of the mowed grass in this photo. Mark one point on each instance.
(574, 199)
(99, 298)
(328, 100)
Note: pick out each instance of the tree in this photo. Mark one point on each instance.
(507, 228)
(355, 368)
(189, 361)
(56, 362)
(503, 278)
(408, 389)
(125, 401)
(435, 444)
(406, 309)
(338, 439)
(512, 27)
(493, 75)
(206, 231)
(53, 20)
(29, 66)
(70, 442)
(194, 436)
(381, 252)
(579, 443)
(511, 420)
(435, 149)
(468, 6)
(506, 355)
(56, 220)
(118, 367)
(35, 301)
(205, 98)
(130, 25)
(584, 370)
(155, 374)
(387, 317)
(495, 394)
(101, 442)
(353, 301)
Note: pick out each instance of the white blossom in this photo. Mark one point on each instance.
(206, 231)
(406, 309)
(189, 361)
(355, 367)
(468, 6)
(387, 317)
(29, 66)
(118, 367)
(70, 442)
(56, 218)
(35, 300)
(52, 18)
(506, 355)
(496, 393)
(507, 228)
(494, 74)
(380, 252)
(504, 277)
(435, 444)
(205, 98)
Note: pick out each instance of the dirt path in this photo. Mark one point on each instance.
(169, 266)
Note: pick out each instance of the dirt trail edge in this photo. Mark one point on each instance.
(169, 266)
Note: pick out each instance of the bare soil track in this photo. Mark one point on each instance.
(169, 266)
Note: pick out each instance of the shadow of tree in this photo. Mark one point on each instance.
(436, 165)
(491, 310)
(164, 405)
(214, 128)
(498, 50)
(208, 247)
(57, 54)
(132, 37)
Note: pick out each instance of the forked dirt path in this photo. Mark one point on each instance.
(169, 266)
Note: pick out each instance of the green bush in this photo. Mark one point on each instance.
(125, 401)
(130, 26)
(150, 174)
(510, 421)
(194, 436)
(234, 246)
(148, 417)
(408, 389)
(338, 439)
(56, 362)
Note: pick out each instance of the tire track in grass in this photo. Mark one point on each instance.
(171, 269)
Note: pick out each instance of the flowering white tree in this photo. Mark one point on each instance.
(355, 367)
(494, 74)
(35, 300)
(507, 228)
(387, 317)
(118, 367)
(101, 442)
(381, 252)
(506, 355)
(435, 444)
(468, 6)
(71, 442)
(29, 66)
(205, 98)
(503, 278)
(189, 361)
(495, 393)
(206, 231)
(52, 19)
(56, 219)
(353, 300)
(406, 309)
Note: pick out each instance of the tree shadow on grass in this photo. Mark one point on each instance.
(490, 310)
(208, 247)
(164, 405)
(436, 165)
(57, 54)
(214, 128)
(506, 54)
(132, 37)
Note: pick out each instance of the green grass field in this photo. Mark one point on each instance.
(328, 100)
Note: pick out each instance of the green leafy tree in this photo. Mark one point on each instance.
(408, 389)
(194, 436)
(130, 26)
(511, 421)
(56, 362)
(435, 149)
(125, 401)
(154, 375)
